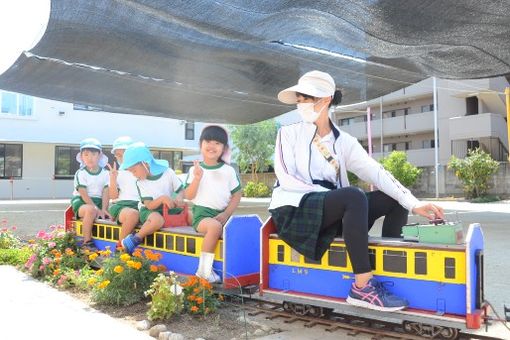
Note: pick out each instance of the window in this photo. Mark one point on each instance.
(427, 108)
(395, 261)
(11, 160)
(189, 131)
(428, 144)
(174, 158)
(65, 161)
(280, 253)
(347, 121)
(294, 255)
(160, 240)
(337, 256)
(16, 104)
(449, 268)
(420, 263)
(169, 242)
(190, 245)
(406, 112)
(371, 257)
(471, 106)
(179, 243)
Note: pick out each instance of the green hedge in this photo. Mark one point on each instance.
(15, 256)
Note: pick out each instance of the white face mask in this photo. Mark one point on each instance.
(307, 112)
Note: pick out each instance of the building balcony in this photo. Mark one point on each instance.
(417, 157)
(409, 124)
(479, 126)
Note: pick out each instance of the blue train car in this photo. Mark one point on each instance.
(443, 283)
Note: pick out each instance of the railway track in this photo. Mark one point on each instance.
(331, 321)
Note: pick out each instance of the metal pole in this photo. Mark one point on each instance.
(380, 111)
(507, 93)
(369, 131)
(436, 146)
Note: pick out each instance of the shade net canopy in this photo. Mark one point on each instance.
(225, 61)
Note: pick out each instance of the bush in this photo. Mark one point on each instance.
(259, 189)
(198, 296)
(7, 238)
(54, 254)
(15, 257)
(396, 163)
(166, 297)
(474, 172)
(123, 279)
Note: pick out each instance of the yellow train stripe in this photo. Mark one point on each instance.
(439, 265)
(189, 245)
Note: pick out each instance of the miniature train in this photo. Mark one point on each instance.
(444, 283)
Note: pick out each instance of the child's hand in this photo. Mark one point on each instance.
(103, 214)
(168, 202)
(197, 170)
(222, 218)
(179, 202)
(113, 170)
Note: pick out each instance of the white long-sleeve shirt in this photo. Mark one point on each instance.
(296, 162)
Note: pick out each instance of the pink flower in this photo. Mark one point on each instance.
(46, 261)
(14, 228)
(41, 267)
(51, 244)
(62, 279)
(4, 230)
(30, 261)
(41, 234)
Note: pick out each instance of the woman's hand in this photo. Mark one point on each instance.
(429, 211)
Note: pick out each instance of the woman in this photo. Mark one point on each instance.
(313, 202)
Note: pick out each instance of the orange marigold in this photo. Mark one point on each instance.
(161, 268)
(194, 309)
(154, 268)
(93, 256)
(191, 297)
(56, 272)
(118, 269)
(199, 300)
(137, 253)
(196, 290)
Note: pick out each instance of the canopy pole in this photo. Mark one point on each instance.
(436, 146)
(507, 93)
(382, 141)
(369, 131)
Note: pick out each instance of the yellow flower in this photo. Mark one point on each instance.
(93, 256)
(56, 272)
(154, 268)
(104, 284)
(100, 272)
(125, 257)
(69, 252)
(138, 265)
(92, 281)
(118, 269)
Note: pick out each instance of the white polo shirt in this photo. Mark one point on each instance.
(216, 187)
(164, 184)
(93, 182)
(126, 184)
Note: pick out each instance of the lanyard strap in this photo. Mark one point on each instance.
(327, 155)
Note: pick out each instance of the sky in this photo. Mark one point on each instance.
(22, 24)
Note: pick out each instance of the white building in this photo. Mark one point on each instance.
(39, 140)
(471, 113)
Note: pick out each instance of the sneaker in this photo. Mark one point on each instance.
(375, 296)
(130, 243)
(213, 278)
(90, 246)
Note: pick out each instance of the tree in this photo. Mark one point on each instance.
(254, 146)
(396, 163)
(474, 171)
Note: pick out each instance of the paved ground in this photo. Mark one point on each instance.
(31, 216)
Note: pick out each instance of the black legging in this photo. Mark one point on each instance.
(353, 213)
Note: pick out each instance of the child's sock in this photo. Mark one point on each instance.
(205, 267)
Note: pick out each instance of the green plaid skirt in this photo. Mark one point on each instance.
(300, 227)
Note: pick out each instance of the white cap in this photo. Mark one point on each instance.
(314, 83)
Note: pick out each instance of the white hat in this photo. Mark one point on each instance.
(314, 83)
(122, 143)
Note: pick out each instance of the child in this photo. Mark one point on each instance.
(90, 196)
(214, 188)
(156, 183)
(123, 191)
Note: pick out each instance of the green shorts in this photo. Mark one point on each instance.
(117, 207)
(200, 212)
(144, 212)
(77, 202)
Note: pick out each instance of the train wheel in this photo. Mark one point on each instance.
(449, 333)
(412, 327)
(315, 311)
(287, 306)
